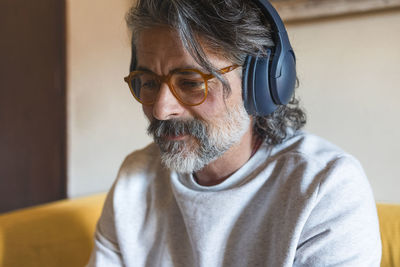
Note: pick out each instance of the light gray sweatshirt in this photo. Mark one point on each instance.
(302, 203)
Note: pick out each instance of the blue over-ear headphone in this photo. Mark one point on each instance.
(269, 81)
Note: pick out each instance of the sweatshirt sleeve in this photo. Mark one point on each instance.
(106, 250)
(342, 229)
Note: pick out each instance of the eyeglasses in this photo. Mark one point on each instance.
(189, 86)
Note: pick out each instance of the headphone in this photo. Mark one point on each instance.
(267, 81)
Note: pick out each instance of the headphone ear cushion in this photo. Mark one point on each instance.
(284, 79)
(257, 95)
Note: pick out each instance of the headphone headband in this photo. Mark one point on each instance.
(271, 14)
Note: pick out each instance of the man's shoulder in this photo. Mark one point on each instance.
(315, 160)
(142, 184)
(141, 166)
(140, 172)
(141, 159)
(309, 147)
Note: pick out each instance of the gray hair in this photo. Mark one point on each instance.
(231, 28)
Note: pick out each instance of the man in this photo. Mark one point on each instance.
(224, 185)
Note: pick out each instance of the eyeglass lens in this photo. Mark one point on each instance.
(189, 87)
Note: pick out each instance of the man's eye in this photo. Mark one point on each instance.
(191, 84)
(149, 85)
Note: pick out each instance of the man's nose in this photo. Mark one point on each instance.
(167, 106)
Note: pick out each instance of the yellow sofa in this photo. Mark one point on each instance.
(60, 234)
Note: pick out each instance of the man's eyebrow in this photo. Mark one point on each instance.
(175, 69)
(143, 69)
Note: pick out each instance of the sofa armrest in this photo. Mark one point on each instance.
(389, 223)
(56, 234)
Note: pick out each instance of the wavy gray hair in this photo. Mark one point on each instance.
(232, 28)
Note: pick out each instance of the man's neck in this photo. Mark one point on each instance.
(223, 167)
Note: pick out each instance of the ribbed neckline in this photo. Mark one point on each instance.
(237, 178)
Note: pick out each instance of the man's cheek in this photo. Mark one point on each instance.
(148, 112)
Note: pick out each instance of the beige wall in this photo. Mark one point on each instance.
(348, 68)
(104, 122)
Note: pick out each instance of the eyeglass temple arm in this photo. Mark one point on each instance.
(222, 71)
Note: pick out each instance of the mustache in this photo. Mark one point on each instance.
(158, 129)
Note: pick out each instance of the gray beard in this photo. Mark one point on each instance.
(205, 144)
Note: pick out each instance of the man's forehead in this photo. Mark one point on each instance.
(161, 50)
(150, 40)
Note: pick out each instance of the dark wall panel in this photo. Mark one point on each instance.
(32, 103)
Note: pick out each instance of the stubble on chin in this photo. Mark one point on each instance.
(181, 156)
(176, 146)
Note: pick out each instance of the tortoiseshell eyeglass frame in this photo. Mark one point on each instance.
(167, 79)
